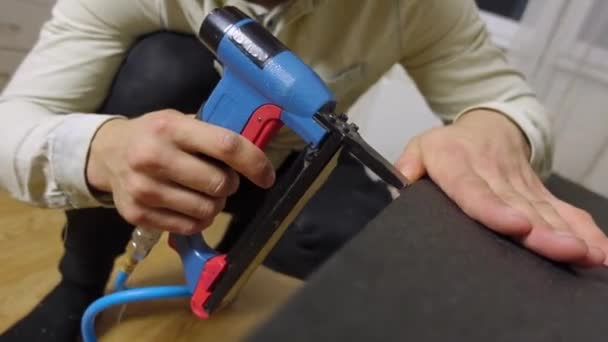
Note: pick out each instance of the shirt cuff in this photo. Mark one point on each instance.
(525, 123)
(70, 145)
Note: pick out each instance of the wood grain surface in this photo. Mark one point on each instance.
(30, 248)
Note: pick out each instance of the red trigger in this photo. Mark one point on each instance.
(263, 125)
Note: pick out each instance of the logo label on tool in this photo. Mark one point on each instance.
(256, 43)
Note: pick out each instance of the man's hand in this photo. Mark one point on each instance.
(160, 169)
(481, 163)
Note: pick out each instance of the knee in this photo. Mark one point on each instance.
(162, 70)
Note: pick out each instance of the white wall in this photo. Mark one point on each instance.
(581, 129)
(565, 56)
(392, 112)
(20, 22)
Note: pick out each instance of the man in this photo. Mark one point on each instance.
(490, 159)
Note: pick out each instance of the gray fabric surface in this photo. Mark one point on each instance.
(423, 271)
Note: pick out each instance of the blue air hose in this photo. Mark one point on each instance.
(87, 324)
(121, 280)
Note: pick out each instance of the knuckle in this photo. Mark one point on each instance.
(219, 185)
(542, 205)
(413, 142)
(141, 191)
(218, 205)
(430, 135)
(160, 125)
(188, 229)
(204, 210)
(135, 215)
(143, 156)
(235, 181)
(509, 196)
(162, 122)
(435, 139)
(261, 166)
(208, 209)
(229, 143)
(455, 151)
(201, 225)
(533, 181)
(224, 184)
(583, 216)
(428, 141)
(543, 209)
(170, 113)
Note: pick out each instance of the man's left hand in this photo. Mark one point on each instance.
(481, 163)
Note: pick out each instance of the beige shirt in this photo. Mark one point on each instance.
(45, 111)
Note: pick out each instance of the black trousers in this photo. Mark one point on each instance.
(168, 70)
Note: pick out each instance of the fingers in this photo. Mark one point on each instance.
(172, 172)
(564, 219)
(595, 257)
(227, 146)
(485, 195)
(410, 163)
(197, 173)
(546, 212)
(583, 225)
(152, 193)
(559, 242)
(157, 218)
(562, 248)
(554, 241)
(492, 183)
(200, 175)
(550, 235)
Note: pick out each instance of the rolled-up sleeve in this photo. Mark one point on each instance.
(451, 58)
(45, 111)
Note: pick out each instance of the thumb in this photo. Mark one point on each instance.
(410, 163)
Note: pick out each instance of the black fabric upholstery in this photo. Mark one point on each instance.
(423, 271)
(348, 200)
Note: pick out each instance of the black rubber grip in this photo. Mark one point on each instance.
(216, 24)
(256, 43)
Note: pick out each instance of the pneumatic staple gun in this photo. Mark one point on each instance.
(265, 86)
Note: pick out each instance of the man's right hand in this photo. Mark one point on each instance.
(160, 169)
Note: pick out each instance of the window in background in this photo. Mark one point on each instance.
(502, 18)
(512, 9)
